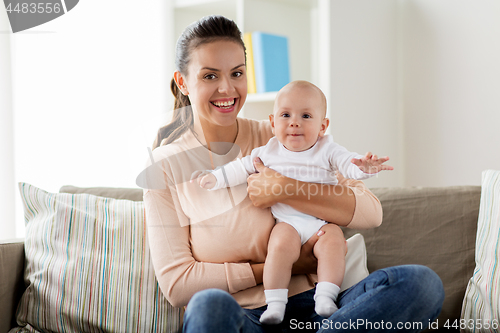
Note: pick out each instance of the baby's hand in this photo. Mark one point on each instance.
(205, 179)
(371, 163)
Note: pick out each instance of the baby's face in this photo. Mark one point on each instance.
(299, 118)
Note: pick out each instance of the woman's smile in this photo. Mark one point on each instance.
(225, 105)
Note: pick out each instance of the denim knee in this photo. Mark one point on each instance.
(432, 283)
(212, 310)
(424, 287)
(210, 300)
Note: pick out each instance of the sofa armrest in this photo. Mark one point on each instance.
(11, 281)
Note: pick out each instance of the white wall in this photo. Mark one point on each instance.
(89, 92)
(418, 80)
(7, 184)
(451, 51)
(364, 95)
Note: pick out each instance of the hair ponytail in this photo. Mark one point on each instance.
(206, 30)
(182, 119)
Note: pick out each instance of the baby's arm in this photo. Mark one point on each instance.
(230, 174)
(204, 178)
(354, 166)
(371, 164)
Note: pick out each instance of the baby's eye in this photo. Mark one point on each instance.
(306, 116)
(285, 115)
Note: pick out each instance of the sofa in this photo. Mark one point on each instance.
(435, 227)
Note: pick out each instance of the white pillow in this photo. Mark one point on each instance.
(481, 305)
(88, 267)
(355, 262)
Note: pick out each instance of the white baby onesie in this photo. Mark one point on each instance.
(317, 164)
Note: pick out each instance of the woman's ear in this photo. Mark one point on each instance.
(181, 83)
(324, 125)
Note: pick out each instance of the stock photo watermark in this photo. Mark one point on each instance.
(27, 14)
(363, 324)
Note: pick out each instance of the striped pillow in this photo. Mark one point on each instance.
(481, 305)
(88, 267)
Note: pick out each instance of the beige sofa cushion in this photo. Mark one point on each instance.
(11, 280)
(435, 227)
(134, 194)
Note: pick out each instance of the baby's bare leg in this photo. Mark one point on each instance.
(330, 250)
(283, 251)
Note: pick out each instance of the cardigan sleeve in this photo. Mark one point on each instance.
(179, 275)
(368, 210)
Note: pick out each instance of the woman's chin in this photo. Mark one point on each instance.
(225, 117)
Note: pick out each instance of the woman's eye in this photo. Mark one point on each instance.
(210, 76)
(237, 74)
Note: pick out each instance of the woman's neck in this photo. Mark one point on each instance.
(208, 133)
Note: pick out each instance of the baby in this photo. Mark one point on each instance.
(299, 150)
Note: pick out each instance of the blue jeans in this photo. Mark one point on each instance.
(402, 298)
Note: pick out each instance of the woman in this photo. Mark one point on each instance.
(208, 248)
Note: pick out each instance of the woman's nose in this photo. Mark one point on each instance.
(226, 86)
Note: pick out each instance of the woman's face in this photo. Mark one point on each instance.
(216, 81)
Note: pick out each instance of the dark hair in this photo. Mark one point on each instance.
(208, 29)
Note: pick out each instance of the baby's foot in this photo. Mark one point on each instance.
(325, 306)
(276, 300)
(325, 297)
(274, 313)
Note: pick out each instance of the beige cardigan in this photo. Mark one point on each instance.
(207, 239)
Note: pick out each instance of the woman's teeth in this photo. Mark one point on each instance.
(226, 104)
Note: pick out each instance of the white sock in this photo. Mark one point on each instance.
(276, 300)
(325, 297)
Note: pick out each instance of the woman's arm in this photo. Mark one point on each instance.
(179, 275)
(349, 203)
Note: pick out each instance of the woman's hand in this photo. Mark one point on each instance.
(332, 203)
(266, 187)
(258, 272)
(307, 262)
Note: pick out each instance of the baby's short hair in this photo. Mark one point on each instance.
(304, 84)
